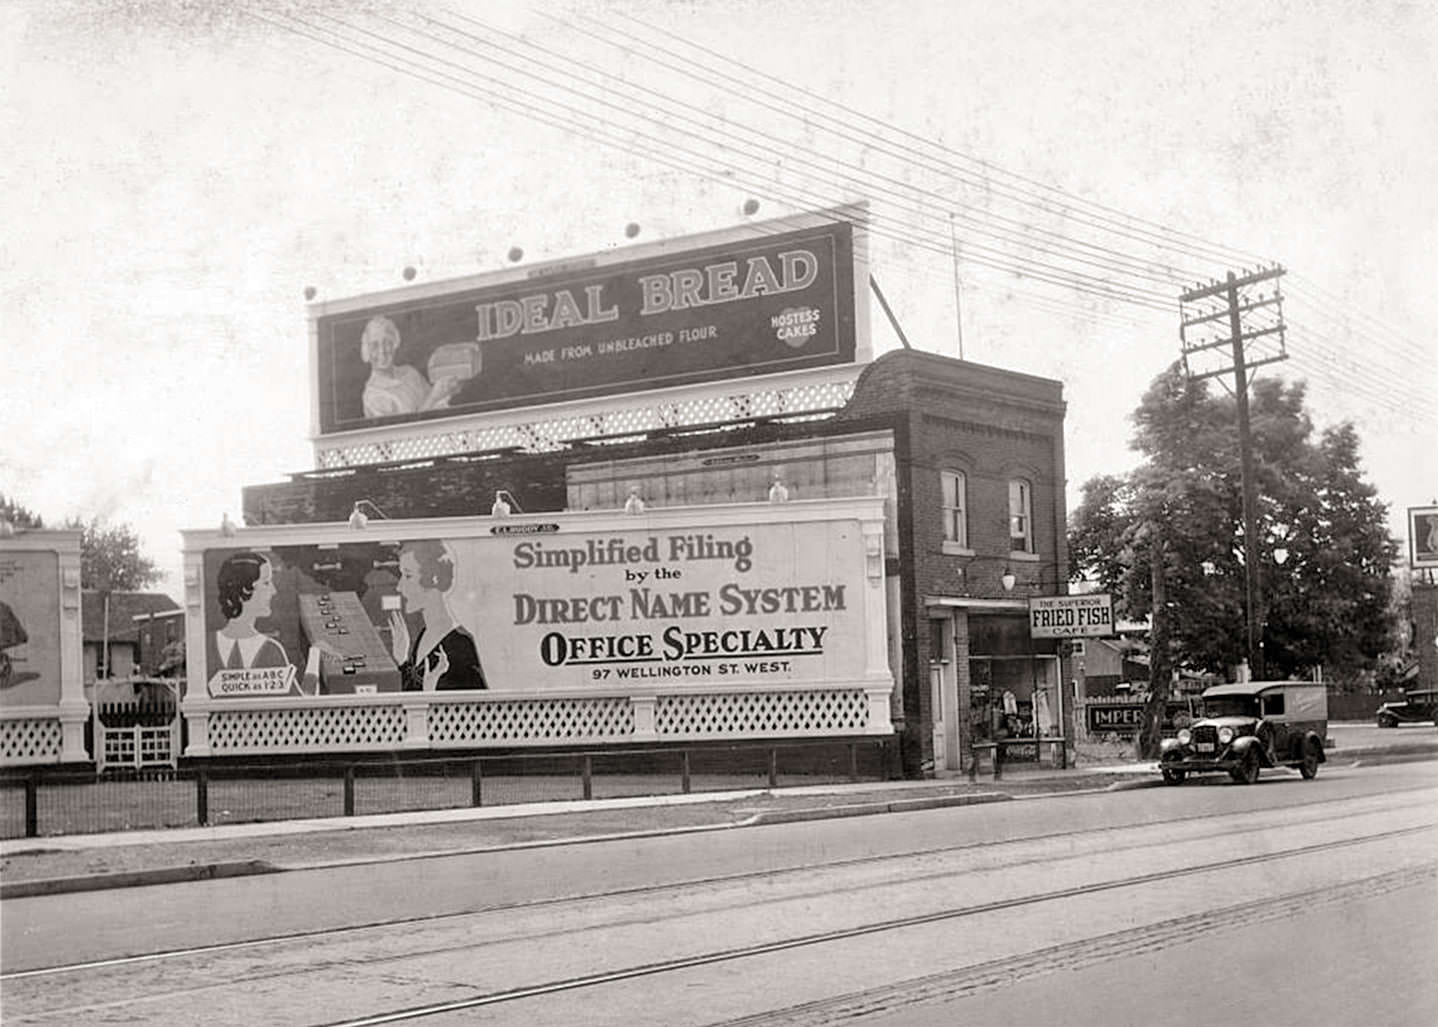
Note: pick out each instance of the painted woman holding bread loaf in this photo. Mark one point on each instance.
(397, 389)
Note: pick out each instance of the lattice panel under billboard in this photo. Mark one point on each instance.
(766, 714)
(545, 721)
(336, 727)
(546, 435)
(30, 741)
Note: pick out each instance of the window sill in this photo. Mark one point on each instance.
(1018, 556)
(954, 549)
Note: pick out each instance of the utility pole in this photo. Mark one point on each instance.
(1200, 331)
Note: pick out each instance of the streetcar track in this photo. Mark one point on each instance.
(862, 930)
(328, 933)
(960, 983)
(819, 938)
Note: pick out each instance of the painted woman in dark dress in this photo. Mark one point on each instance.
(442, 655)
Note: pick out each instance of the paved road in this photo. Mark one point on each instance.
(893, 916)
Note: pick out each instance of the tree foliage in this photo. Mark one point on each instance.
(110, 557)
(17, 515)
(1327, 604)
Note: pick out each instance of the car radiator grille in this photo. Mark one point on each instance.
(1206, 733)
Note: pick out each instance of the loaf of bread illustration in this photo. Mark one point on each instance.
(458, 360)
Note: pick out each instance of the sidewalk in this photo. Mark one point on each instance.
(43, 866)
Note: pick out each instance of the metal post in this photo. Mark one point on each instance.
(853, 762)
(588, 777)
(202, 797)
(32, 804)
(774, 768)
(476, 783)
(684, 771)
(350, 790)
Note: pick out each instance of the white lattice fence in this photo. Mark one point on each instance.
(442, 721)
(552, 721)
(306, 729)
(30, 740)
(619, 419)
(762, 713)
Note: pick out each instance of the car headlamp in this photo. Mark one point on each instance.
(1184, 736)
(1225, 735)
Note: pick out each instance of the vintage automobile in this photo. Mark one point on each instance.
(1249, 726)
(1415, 706)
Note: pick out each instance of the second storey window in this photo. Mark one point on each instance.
(956, 517)
(1021, 532)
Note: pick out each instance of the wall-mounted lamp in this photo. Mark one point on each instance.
(357, 516)
(227, 526)
(1008, 578)
(635, 503)
(778, 492)
(504, 504)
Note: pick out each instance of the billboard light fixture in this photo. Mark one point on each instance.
(358, 518)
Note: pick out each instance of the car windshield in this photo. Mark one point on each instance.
(1230, 706)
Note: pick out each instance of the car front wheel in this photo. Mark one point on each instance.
(1309, 767)
(1246, 773)
(1172, 776)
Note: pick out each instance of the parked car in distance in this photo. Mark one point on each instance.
(1415, 706)
(1249, 726)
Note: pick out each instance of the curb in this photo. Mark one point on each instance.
(136, 878)
(868, 809)
(247, 868)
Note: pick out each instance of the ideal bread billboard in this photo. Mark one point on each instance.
(761, 304)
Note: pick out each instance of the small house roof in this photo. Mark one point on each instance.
(125, 608)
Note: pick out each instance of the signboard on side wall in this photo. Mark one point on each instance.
(565, 602)
(1423, 537)
(761, 304)
(1082, 616)
(30, 641)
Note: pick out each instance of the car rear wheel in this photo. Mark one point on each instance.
(1246, 773)
(1309, 767)
(1387, 722)
(1172, 776)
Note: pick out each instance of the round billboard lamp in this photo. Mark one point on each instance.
(409, 273)
(631, 229)
(751, 207)
(515, 254)
(309, 292)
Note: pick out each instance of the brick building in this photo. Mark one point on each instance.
(969, 459)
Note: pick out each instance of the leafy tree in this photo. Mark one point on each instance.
(17, 515)
(110, 557)
(1177, 521)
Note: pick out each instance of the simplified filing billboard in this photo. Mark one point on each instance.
(571, 602)
(591, 327)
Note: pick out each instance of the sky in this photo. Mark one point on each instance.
(178, 172)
